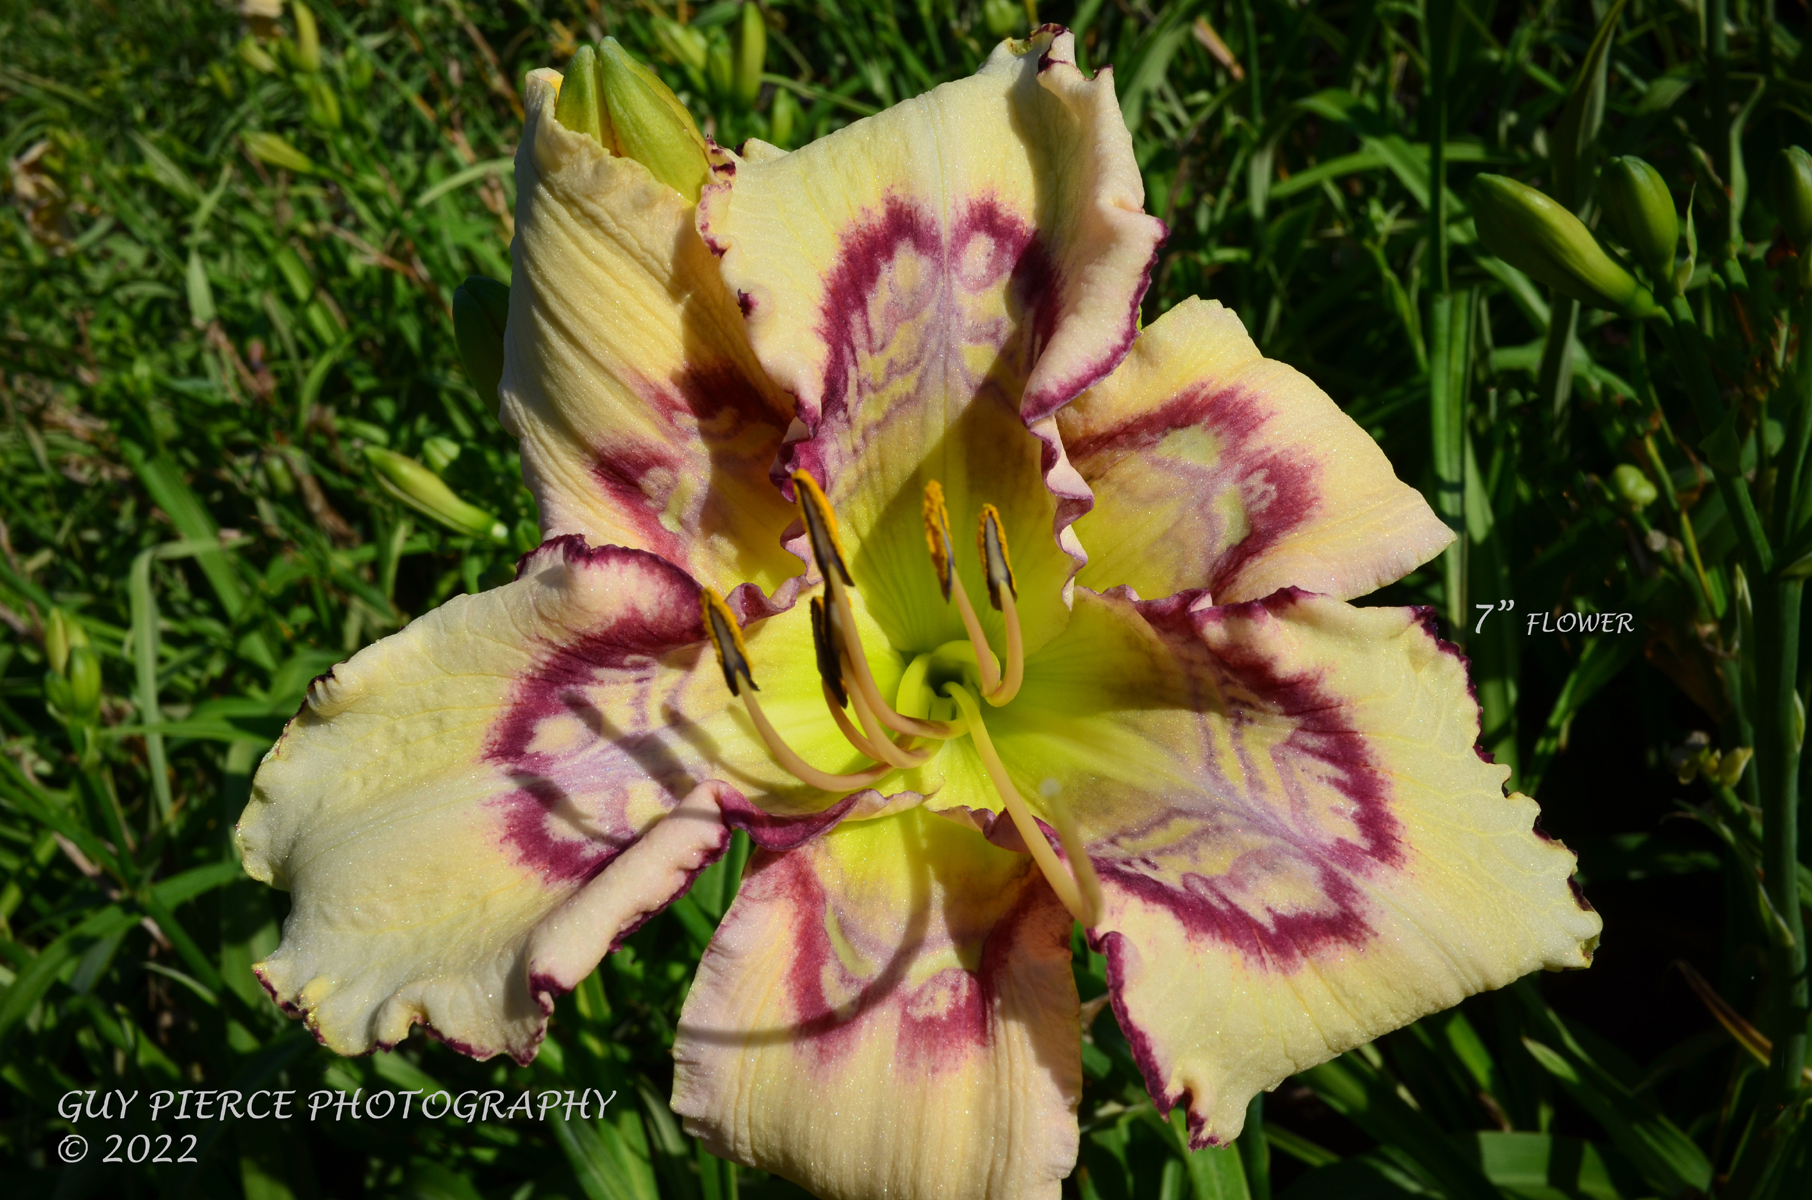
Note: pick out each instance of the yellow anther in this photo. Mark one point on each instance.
(820, 528)
(830, 667)
(937, 533)
(726, 639)
(991, 543)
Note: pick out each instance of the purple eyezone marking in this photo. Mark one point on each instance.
(566, 817)
(1311, 815)
(712, 418)
(944, 1019)
(920, 323)
(1279, 492)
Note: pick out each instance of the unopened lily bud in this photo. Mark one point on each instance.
(278, 472)
(254, 56)
(481, 307)
(1641, 212)
(59, 634)
(1729, 768)
(1633, 487)
(751, 53)
(1793, 195)
(440, 453)
(783, 118)
(356, 66)
(1552, 246)
(651, 125)
(323, 105)
(84, 675)
(308, 38)
(275, 149)
(424, 491)
(720, 65)
(580, 107)
(683, 43)
(1002, 17)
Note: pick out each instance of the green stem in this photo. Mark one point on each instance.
(1447, 432)
(1778, 732)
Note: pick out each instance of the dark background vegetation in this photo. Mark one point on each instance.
(226, 266)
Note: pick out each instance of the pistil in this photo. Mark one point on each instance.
(1076, 886)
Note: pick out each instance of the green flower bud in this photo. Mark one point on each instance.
(651, 125)
(254, 56)
(282, 482)
(1552, 246)
(440, 453)
(581, 106)
(274, 148)
(323, 105)
(356, 66)
(1793, 195)
(1728, 770)
(295, 272)
(60, 633)
(223, 82)
(481, 309)
(1633, 487)
(424, 491)
(1641, 212)
(1002, 16)
(84, 675)
(683, 44)
(720, 66)
(783, 118)
(751, 53)
(308, 38)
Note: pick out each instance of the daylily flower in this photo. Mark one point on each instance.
(877, 529)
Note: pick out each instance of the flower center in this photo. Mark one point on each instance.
(937, 696)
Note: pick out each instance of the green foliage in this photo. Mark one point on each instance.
(231, 281)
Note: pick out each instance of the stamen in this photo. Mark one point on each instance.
(726, 639)
(840, 620)
(856, 739)
(937, 536)
(842, 624)
(937, 533)
(830, 670)
(1003, 590)
(880, 745)
(870, 739)
(1077, 886)
(991, 544)
(821, 528)
(733, 660)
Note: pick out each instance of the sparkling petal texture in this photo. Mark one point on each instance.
(472, 811)
(644, 418)
(929, 282)
(1215, 467)
(1299, 847)
(888, 1012)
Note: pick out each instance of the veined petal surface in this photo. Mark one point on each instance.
(471, 812)
(888, 1012)
(1298, 846)
(928, 283)
(1215, 467)
(645, 420)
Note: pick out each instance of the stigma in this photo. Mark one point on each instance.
(890, 739)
